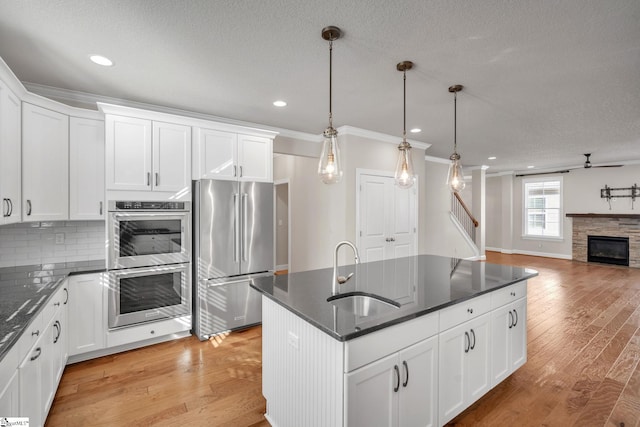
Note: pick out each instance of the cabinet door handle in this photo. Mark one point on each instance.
(100, 208)
(467, 342)
(510, 320)
(235, 171)
(57, 326)
(66, 298)
(397, 387)
(516, 321)
(28, 207)
(11, 205)
(157, 179)
(240, 171)
(39, 350)
(5, 205)
(148, 178)
(406, 370)
(473, 333)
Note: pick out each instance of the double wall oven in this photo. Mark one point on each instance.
(149, 261)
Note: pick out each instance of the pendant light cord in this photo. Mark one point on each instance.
(455, 122)
(404, 106)
(330, 81)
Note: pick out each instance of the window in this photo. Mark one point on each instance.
(542, 207)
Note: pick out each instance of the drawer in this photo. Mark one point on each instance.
(148, 331)
(366, 349)
(30, 335)
(466, 310)
(508, 294)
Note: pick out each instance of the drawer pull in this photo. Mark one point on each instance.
(153, 332)
(56, 304)
(470, 310)
(36, 333)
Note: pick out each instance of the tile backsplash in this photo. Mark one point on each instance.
(50, 242)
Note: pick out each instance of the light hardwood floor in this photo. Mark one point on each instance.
(582, 368)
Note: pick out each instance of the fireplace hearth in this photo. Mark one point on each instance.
(608, 250)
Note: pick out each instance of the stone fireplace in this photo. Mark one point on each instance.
(607, 225)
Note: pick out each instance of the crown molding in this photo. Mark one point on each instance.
(437, 160)
(383, 137)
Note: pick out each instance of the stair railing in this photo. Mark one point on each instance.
(464, 215)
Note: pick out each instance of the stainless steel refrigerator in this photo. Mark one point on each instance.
(233, 242)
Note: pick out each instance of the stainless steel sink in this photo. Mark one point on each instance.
(362, 303)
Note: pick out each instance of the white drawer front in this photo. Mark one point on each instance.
(467, 310)
(508, 294)
(148, 331)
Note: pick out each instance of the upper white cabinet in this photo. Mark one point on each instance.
(45, 164)
(10, 162)
(145, 155)
(86, 169)
(232, 156)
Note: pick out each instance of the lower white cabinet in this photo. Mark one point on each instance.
(87, 326)
(509, 336)
(465, 369)
(10, 395)
(40, 371)
(398, 390)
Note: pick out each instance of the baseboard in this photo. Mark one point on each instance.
(282, 267)
(542, 254)
(502, 251)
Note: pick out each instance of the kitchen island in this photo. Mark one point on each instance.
(456, 330)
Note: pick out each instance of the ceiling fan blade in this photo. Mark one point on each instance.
(544, 173)
(608, 166)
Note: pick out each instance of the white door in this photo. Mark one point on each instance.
(9, 396)
(387, 220)
(215, 155)
(45, 164)
(371, 399)
(10, 156)
(128, 148)
(255, 158)
(479, 358)
(87, 325)
(171, 157)
(453, 348)
(86, 169)
(419, 391)
(518, 336)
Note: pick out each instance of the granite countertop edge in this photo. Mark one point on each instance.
(401, 319)
(12, 331)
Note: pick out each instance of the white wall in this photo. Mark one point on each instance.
(440, 236)
(581, 194)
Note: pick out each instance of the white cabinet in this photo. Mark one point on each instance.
(147, 155)
(45, 164)
(398, 390)
(465, 371)
(39, 372)
(509, 336)
(232, 156)
(10, 395)
(86, 169)
(10, 160)
(87, 325)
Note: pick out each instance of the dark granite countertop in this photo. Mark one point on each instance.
(421, 284)
(24, 290)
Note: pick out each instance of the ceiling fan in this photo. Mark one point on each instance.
(588, 165)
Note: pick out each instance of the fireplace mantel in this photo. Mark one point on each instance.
(605, 215)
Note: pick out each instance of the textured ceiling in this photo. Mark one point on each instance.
(544, 81)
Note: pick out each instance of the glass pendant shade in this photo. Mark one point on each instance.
(404, 174)
(329, 166)
(455, 177)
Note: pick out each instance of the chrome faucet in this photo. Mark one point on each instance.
(341, 279)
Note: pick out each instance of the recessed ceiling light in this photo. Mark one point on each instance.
(530, 167)
(415, 130)
(492, 158)
(101, 60)
(279, 103)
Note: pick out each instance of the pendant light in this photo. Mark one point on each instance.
(329, 166)
(456, 177)
(404, 174)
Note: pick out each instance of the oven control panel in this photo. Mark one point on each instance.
(148, 206)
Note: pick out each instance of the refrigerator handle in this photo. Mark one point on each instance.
(236, 228)
(244, 226)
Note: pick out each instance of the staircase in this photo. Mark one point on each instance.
(466, 224)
